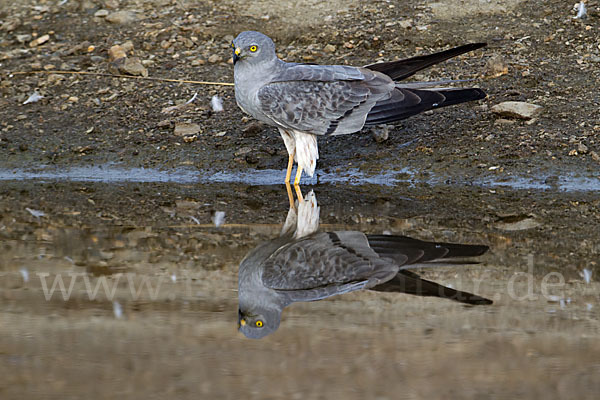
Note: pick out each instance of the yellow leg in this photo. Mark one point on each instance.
(288, 174)
(298, 174)
(290, 196)
(297, 184)
(299, 193)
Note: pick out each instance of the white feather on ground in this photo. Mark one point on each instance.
(216, 103)
(33, 98)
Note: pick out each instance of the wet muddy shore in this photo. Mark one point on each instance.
(149, 296)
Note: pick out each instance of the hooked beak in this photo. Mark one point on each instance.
(241, 320)
(236, 55)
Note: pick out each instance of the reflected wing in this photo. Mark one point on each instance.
(325, 264)
(323, 100)
(406, 250)
(410, 283)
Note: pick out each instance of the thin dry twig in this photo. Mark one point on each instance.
(120, 76)
(249, 226)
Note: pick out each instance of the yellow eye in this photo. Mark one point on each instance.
(253, 48)
(232, 45)
(259, 323)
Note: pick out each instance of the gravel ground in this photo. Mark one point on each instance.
(536, 54)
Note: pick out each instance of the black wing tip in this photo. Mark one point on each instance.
(392, 112)
(463, 250)
(476, 249)
(481, 301)
(465, 48)
(460, 95)
(411, 283)
(469, 250)
(402, 69)
(475, 46)
(472, 300)
(464, 297)
(481, 94)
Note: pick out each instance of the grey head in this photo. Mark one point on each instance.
(258, 322)
(259, 309)
(251, 47)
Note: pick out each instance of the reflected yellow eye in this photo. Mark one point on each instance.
(259, 323)
(253, 48)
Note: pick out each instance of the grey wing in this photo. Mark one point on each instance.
(323, 100)
(326, 264)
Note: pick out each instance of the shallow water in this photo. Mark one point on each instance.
(149, 305)
(113, 173)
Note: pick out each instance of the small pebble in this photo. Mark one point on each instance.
(41, 40)
(517, 109)
(329, 48)
(101, 13)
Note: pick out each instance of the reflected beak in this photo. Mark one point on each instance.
(236, 55)
(241, 320)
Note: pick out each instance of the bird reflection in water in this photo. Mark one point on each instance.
(303, 264)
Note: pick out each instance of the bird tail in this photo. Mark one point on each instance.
(402, 69)
(406, 102)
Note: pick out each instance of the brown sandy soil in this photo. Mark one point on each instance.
(177, 337)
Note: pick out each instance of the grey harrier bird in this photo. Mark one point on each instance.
(305, 265)
(305, 101)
